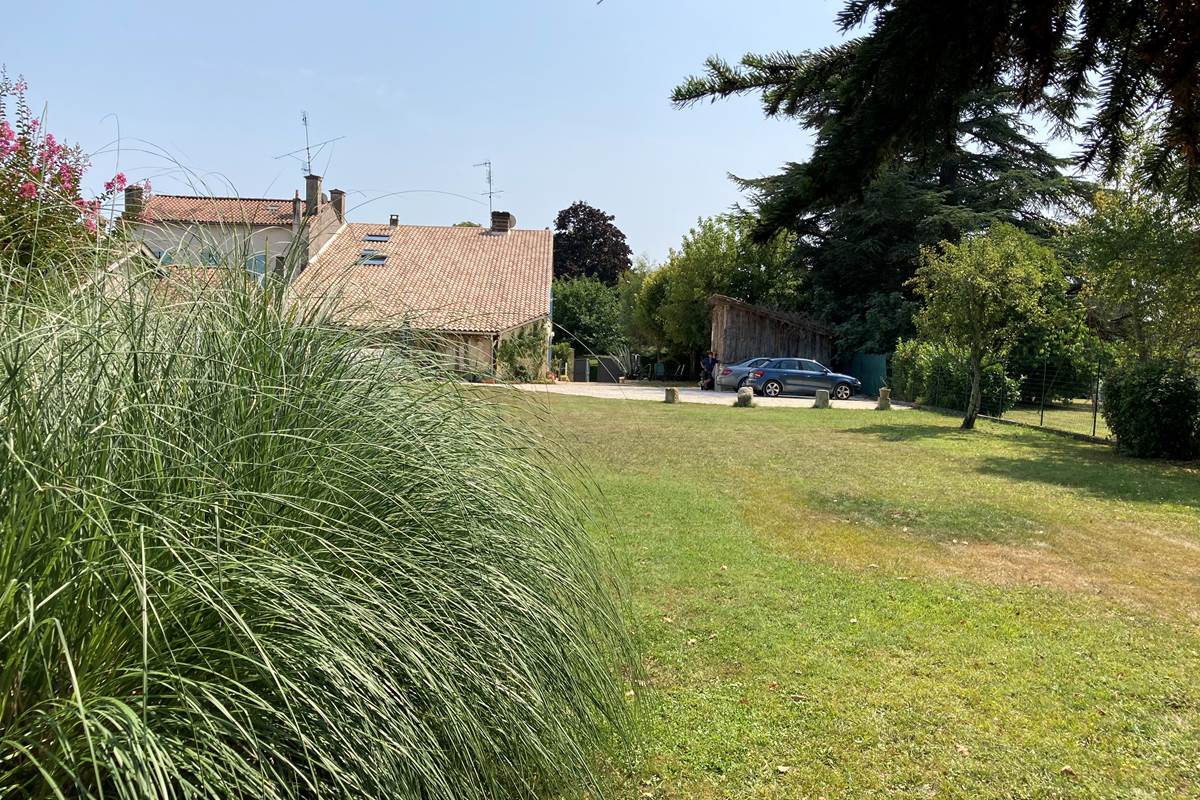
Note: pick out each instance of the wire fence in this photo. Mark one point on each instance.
(1063, 395)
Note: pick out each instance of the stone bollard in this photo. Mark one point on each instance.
(822, 400)
(745, 397)
(885, 400)
(672, 394)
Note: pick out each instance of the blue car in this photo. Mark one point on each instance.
(801, 376)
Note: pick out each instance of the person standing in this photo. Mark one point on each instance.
(708, 368)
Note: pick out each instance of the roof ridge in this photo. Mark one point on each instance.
(476, 228)
(222, 197)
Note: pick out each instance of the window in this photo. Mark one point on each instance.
(811, 366)
(785, 363)
(257, 264)
(376, 237)
(372, 258)
(210, 257)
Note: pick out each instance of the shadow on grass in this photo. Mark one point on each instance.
(1093, 469)
(906, 432)
(1103, 474)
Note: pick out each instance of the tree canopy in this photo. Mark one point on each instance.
(716, 257)
(586, 314)
(1093, 67)
(857, 252)
(588, 244)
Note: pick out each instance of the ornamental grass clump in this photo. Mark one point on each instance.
(245, 556)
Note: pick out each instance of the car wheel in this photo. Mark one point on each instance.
(772, 388)
(741, 383)
(842, 391)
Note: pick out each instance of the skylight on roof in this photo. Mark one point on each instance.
(375, 237)
(372, 258)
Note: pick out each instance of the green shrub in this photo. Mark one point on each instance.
(1153, 410)
(245, 556)
(940, 376)
(522, 356)
(562, 354)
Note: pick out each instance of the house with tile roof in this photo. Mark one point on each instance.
(261, 232)
(469, 288)
(464, 291)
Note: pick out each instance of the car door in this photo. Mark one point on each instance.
(815, 376)
(789, 374)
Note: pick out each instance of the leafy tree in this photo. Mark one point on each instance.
(466, 223)
(638, 334)
(587, 315)
(859, 252)
(1100, 65)
(981, 293)
(1137, 251)
(651, 296)
(588, 244)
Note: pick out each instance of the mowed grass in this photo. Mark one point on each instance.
(864, 604)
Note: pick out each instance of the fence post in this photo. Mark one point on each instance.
(1042, 397)
(1096, 395)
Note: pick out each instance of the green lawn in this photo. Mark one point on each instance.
(1075, 416)
(865, 604)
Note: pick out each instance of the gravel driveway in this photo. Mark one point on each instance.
(634, 391)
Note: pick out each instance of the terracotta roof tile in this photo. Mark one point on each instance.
(219, 210)
(436, 278)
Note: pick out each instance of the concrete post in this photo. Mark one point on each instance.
(745, 397)
(822, 400)
(885, 400)
(672, 395)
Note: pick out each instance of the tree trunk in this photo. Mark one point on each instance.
(968, 422)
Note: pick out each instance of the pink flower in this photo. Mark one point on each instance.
(28, 190)
(90, 224)
(117, 184)
(7, 134)
(20, 87)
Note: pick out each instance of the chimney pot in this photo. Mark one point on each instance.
(503, 222)
(394, 220)
(338, 199)
(312, 194)
(135, 201)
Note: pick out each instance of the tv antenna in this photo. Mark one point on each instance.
(309, 150)
(491, 192)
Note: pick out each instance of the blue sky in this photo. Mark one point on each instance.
(568, 99)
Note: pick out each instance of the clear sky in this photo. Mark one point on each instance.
(568, 98)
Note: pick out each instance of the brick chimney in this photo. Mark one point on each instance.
(312, 193)
(297, 211)
(394, 220)
(337, 198)
(503, 222)
(135, 201)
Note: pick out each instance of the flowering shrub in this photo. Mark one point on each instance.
(41, 209)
